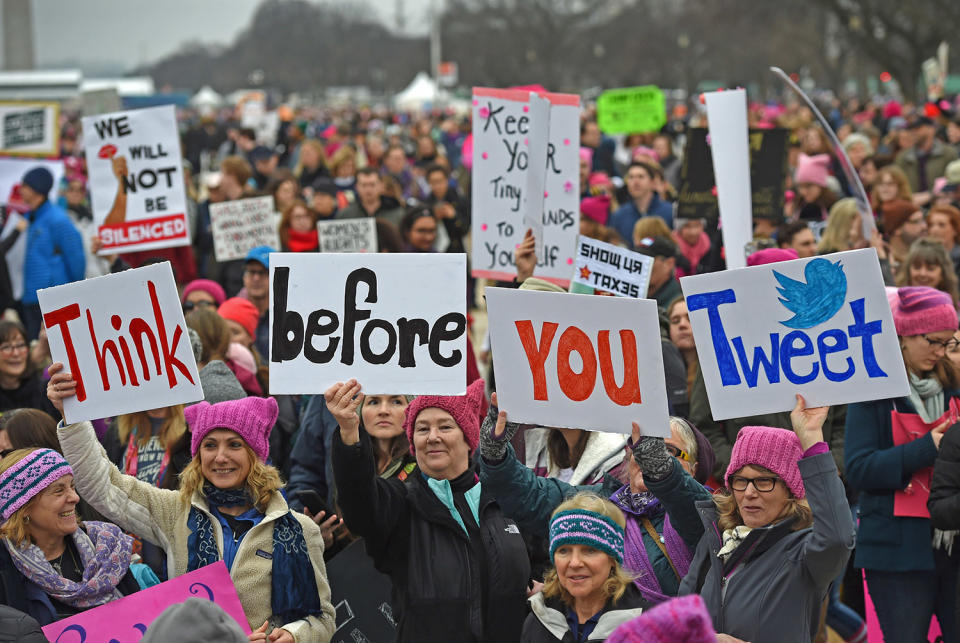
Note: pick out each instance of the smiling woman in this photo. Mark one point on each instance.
(21, 386)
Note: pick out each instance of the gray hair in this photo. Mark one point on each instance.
(686, 435)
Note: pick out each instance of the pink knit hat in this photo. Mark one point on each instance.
(920, 309)
(771, 255)
(596, 208)
(242, 311)
(678, 619)
(465, 409)
(251, 418)
(28, 477)
(771, 448)
(586, 154)
(813, 169)
(212, 288)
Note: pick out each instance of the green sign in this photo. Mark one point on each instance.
(631, 110)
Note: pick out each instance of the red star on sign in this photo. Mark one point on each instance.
(584, 273)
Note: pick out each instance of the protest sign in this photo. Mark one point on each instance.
(127, 619)
(361, 597)
(137, 188)
(239, 226)
(503, 133)
(395, 322)
(348, 235)
(604, 266)
(820, 326)
(124, 340)
(556, 364)
(631, 110)
(29, 128)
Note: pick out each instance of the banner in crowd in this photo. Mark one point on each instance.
(124, 340)
(631, 110)
(239, 226)
(821, 327)
(29, 128)
(604, 266)
(348, 235)
(361, 597)
(137, 189)
(578, 361)
(127, 619)
(503, 135)
(394, 322)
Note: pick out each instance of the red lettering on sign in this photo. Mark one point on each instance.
(537, 354)
(576, 386)
(629, 393)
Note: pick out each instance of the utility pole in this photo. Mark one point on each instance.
(18, 35)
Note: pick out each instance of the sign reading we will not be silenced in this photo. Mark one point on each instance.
(137, 188)
(578, 361)
(505, 144)
(240, 226)
(124, 340)
(604, 266)
(820, 327)
(631, 110)
(394, 322)
(348, 235)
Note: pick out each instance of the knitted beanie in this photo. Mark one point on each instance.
(775, 449)
(678, 619)
(28, 477)
(596, 208)
(39, 180)
(251, 418)
(465, 409)
(813, 169)
(584, 527)
(194, 621)
(918, 310)
(212, 288)
(771, 255)
(242, 311)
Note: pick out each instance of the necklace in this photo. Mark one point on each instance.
(57, 563)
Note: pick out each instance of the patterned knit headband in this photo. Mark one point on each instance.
(582, 527)
(28, 477)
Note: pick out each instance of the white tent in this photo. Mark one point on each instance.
(422, 93)
(206, 98)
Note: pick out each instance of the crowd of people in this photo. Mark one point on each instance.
(750, 529)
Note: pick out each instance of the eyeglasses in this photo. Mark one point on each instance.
(949, 345)
(8, 349)
(680, 454)
(255, 272)
(762, 484)
(190, 305)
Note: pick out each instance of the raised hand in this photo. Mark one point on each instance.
(651, 455)
(525, 257)
(808, 422)
(496, 432)
(61, 386)
(327, 527)
(343, 400)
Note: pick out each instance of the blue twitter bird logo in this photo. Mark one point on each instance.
(817, 300)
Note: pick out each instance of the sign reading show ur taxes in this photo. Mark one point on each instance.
(578, 361)
(604, 266)
(239, 226)
(820, 327)
(124, 340)
(394, 322)
(631, 110)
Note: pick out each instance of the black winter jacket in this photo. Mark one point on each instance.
(944, 503)
(17, 627)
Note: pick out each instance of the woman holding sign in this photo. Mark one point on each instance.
(229, 507)
(459, 568)
(890, 447)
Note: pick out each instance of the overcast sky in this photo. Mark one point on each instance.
(127, 33)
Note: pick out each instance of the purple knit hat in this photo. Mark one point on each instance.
(679, 619)
(251, 418)
(465, 409)
(771, 448)
(28, 477)
(918, 310)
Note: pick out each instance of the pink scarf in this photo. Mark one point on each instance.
(693, 253)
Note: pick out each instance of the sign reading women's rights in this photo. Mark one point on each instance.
(394, 322)
(348, 235)
(821, 327)
(505, 144)
(240, 226)
(126, 620)
(124, 340)
(575, 360)
(604, 266)
(136, 179)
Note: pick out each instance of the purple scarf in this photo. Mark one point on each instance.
(104, 553)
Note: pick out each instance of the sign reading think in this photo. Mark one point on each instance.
(29, 129)
(348, 235)
(820, 327)
(562, 360)
(604, 266)
(239, 226)
(395, 322)
(127, 619)
(631, 110)
(504, 134)
(136, 179)
(124, 340)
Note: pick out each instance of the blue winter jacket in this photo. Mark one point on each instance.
(54, 251)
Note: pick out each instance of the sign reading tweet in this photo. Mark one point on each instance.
(820, 327)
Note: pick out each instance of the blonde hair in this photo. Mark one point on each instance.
(615, 586)
(317, 147)
(172, 429)
(728, 513)
(930, 252)
(15, 528)
(651, 226)
(262, 481)
(836, 236)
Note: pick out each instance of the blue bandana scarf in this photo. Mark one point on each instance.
(293, 588)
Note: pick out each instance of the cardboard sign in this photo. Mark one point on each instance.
(821, 327)
(395, 322)
(240, 226)
(126, 620)
(348, 235)
(604, 266)
(503, 132)
(29, 128)
(124, 340)
(631, 110)
(137, 189)
(578, 361)
(361, 597)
